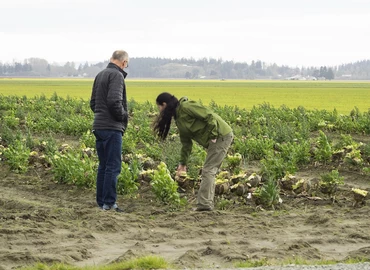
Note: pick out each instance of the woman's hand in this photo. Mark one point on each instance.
(180, 169)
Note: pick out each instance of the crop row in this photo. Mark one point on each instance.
(54, 134)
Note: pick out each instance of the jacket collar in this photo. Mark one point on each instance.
(183, 99)
(111, 65)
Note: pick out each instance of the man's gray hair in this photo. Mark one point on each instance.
(120, 55)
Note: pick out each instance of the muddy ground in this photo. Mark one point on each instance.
(48, 222)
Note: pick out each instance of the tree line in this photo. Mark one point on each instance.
(185, 68)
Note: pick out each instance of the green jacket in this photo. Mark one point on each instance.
(198, 123)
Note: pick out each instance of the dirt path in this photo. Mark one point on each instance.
(43, 221)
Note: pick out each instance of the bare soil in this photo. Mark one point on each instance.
(48, 222)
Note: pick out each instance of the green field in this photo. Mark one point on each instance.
(343, 96)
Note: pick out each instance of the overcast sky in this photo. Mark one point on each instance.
(290, 32)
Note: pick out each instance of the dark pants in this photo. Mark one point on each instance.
(109, 150)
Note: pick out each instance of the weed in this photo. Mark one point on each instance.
(147, 262)
(224, 204)
(252, 263)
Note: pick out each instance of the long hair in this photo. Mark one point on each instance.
(162, 123)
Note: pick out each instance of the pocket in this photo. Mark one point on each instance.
(101, 135)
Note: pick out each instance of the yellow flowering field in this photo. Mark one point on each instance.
(342, 95)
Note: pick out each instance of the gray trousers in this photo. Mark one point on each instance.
(216, 153)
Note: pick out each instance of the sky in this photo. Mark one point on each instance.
(286, 32)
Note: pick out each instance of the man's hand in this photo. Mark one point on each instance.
(214, 140)
(180, 169)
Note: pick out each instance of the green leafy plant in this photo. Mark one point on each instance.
(127, 180)
(48, 146)
(268, 194)
(253, 148)
(354, 158)
(17, 155)
(275, 167)
(324, 150)
(297, 152)
(366, 170)
(164, 187)
(171, 152)
(74, 167)
(129, 143)
(88, 139)
(234, 162)
(224, 204)
(330, 181)
(196, 161)
(344, 140)
(10, 120)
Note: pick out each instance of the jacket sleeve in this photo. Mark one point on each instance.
(93, 96)
(187, 145)
(202, 113)
(115, 97)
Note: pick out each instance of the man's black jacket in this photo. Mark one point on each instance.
(108, 99)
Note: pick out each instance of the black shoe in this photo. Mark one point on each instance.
(202, 209)
(118, 210)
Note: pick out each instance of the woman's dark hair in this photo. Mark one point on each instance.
(162, 124)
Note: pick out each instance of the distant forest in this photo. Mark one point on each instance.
(206, 68)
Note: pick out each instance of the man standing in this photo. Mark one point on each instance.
(109, 104)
